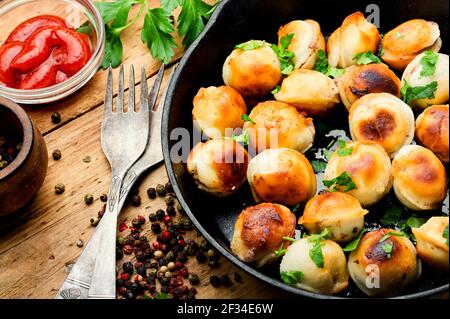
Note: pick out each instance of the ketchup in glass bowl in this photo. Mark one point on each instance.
(43, 55)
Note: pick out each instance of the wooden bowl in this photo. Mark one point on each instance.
(23, 177)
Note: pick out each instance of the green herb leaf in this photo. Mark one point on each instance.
(296, 208)
(85, 29)
(351, 246)
(191, 19)
(289, 239)
(322, 62)
(116, 11)
(276, 90)
(284, 55)
(250, 45)
(247, 118)
(410, 93)
(343, 149)
(280, 251)
(445, 234)
(392, 216)
(243, 138)
(384, 238)
(334, 72)
(428, 62)
(162, 295)
(415, 222)
(315, 252)
(399, 234)
(170, 5)
(157, 34)
(318, 166)
(387, 248)
(327, 154)
(113, 49)
(366, 58)
(344, 180)
(291, 277)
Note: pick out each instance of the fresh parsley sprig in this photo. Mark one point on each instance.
(410, 93)
(323, 67)
(366, 58)
(247, 118)
(243, 138)
(445, 234)
(343, 149)
(291, 277)
(351, 246)
(284, 54)
(315, 252)
(158, 27)
(428, 62)
(343, 182)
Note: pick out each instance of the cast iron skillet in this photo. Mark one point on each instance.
(236, 21)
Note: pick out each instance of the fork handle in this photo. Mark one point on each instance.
(103, 283)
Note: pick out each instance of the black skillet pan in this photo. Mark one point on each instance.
(236, 21)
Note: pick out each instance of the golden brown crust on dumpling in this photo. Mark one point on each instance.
(259, 231)
(361, 80)
(432, 130)
(217, 109)
(402, 44)
(282, 176)
(340, 213)
(432, 246)
(419, 178)
(354, 36)
(309, 91)
(280, 125)
(307, 40)
(384, 119)
(394, 257)
(218, 166)
(253, 73)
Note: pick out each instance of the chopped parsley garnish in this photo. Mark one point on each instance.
(415, 222)
(280, 251)
(247, 118)
(387, 248)
(291, 277)
(243, 138)
(445, 234)
(276, 90)
(342, 181)
(351, 246)
(410, 93)
(391, 216)
(366, 58)
(251, 45)
(343, 149)
(284, 55)
(315, 252)
(384, 238)
(323, 67)
(318, 166)
(428, 62)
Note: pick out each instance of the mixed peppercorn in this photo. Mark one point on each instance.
(9, 149)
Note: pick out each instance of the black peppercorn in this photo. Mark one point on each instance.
(162, 262)
(136, 222)
(140, 255)
(161, 190)
(215, 281)
(193, 279)
(134, 287)
(200, 256)
(148, 253)
(160, 214)
(151, 279)
(127, 267)
(135, 200)
(176, 249)
(129, 295)
(237, 277)
(169, 200)
(56, 155)
(168, 187)
(142, 271)
(181, 257)
(189, 296)
(151, 192)
(143, 285)
(119, 282)
(56, 118)
(213, 262)
(152, 217)
(164, 280)
(225, 281)
(180, 208)
(164, 289)
(103, 198)
(171, 211)
(156, 228)
(88, 199)
(119, 253)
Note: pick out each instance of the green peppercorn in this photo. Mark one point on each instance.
(189, 250)
(152, 271)
(151, 192)
(56, 155)
(161, 190)
(169, 200)
(170, 256)
(56, 118)
(94, 221)
(193, 279)
(213, 262)
(88, 199)
(121, 241)
(204, 245)
(180, 208)
(60, 188)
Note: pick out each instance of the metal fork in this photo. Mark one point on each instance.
(78, 281)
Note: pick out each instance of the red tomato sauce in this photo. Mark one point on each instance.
(41, 52)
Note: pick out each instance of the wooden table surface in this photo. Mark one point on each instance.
(39, 244)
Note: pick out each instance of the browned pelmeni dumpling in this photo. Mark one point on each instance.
(329, 279)
(307, 40)
(384, 263)
(414, 77)
(361, 80)
(281, 175)
(354, 36)
(368, 166)
(432, 130)
(340, 213)
(259, 232)
(432, 242)
(384, 119)
(309, 91)
(406, 41)
(218, 166)
(276, 124)
(254, 70)
(419, 178)
(217, 109)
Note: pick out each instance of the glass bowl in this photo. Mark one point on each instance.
(76, 13)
